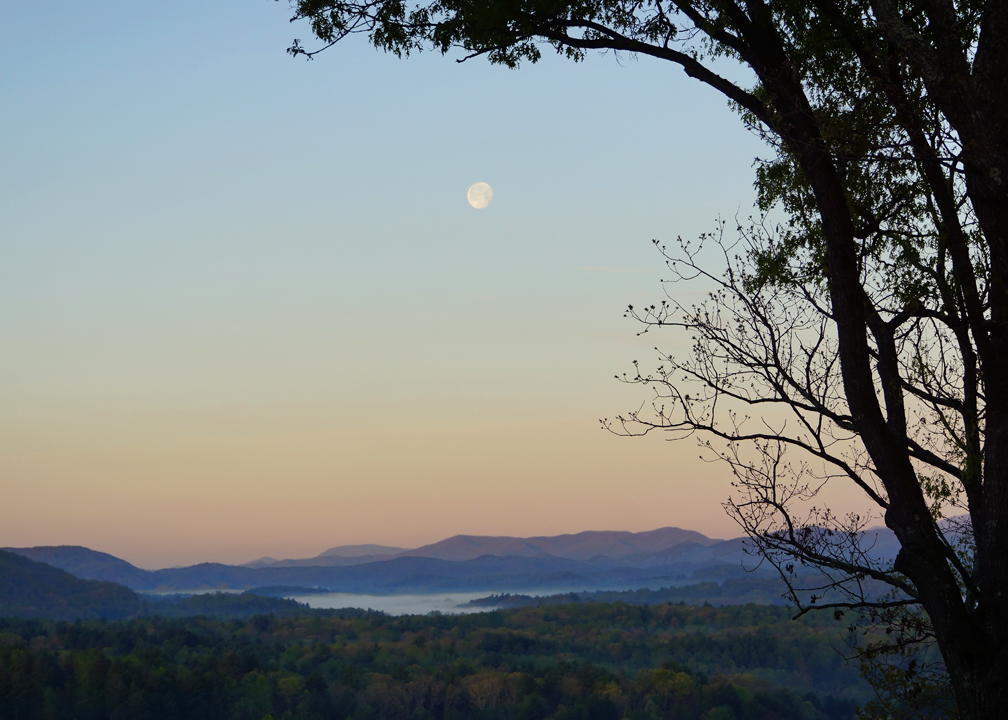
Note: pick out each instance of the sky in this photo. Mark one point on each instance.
(246, 310)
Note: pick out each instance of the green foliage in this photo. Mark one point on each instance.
(571, 662)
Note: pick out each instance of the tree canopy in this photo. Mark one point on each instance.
(571, 662)
(864, 339)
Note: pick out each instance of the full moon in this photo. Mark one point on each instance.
(480, 195)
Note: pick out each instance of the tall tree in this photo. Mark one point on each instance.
(875, 318)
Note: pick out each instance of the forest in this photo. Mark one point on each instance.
(580, 661)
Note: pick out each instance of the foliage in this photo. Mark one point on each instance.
(219, 605)
(605, 661)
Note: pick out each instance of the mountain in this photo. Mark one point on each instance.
(334, 556)
(30, 589)
(582, 561)
(464, 562)
(358, 550)
(579, 562)
(591, 545)
(86, 563)
(580, 546)
(665, 546)
(723, 551)
(398, 575)
(419, 575)
(38, 590)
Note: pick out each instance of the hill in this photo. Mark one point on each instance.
(530, 567)
(86, 563)
(584, 546)
(32, 589)
(334, 556)
(399, 575)
(408, 574)
(583, 561)
(358, 550)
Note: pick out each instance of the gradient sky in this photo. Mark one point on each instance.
(245, 308)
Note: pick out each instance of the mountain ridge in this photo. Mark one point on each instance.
(464, 565)
(84, 562)
(586, 545)
(409, 574)
(614, 544)
(29, 588)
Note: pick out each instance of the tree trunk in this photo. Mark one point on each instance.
(972, 640)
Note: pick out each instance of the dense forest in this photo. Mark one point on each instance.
(581, 661)
(759, 589)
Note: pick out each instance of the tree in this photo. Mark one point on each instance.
(867, 331)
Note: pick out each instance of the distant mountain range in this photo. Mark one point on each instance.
(585, 546)
(341, 555)
(579, 562)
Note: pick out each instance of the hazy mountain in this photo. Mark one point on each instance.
(618, 559)
(692, 552)
(35, 589)
(584, 561)
(591, 545)
(580, 546)
(31, 589)
(398, 575)
(334, 556)
(86, 563)
(665, 546)
(358, 550)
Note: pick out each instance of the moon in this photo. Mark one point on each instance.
(480, 195)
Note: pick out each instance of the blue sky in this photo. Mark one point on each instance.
(241, 291)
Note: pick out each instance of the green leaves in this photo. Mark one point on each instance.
(506, 31)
